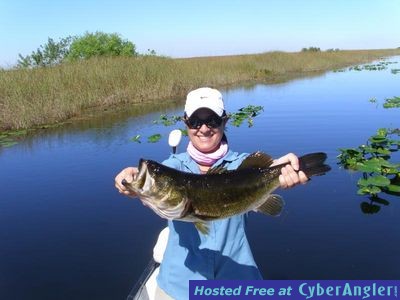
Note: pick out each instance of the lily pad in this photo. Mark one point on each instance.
(245, 113)
(154, 138)
(393, 188)
(375, 150)
(382, 132)
(377, 165)
(374, 181)
(378, 139)
(368, 167)
(392, 102)
(371, 190)
(350, 151)
(168, 120)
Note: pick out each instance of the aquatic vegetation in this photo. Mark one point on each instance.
(382, 65)
(392, 102)
(5, 141)
(154, 138)
(377, 67)
(136, 138)
(247, 113)
(11, 138)
(356, 68)
(150, 139)
(388, 102)
(379, 175)
(168, 121)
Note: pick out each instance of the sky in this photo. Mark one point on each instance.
(204, 27)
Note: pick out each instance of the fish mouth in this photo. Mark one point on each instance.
(139, 179)
(140, 176)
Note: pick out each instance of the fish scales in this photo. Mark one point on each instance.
(237, 192)
(177, 195)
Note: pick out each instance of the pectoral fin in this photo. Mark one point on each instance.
(273, 206)
(202, 227)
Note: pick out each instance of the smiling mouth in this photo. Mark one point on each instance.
(204, 138)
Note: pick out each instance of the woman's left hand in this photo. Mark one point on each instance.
(290, 174)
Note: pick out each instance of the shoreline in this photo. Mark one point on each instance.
(47, 97)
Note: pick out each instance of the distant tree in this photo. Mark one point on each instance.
(311, 49)
(100, 44)
(150, 52)
(49, 54)
(78, 47)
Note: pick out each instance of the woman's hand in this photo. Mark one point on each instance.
(290, 176)
(127, 174)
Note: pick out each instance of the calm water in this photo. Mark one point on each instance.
(66, 233)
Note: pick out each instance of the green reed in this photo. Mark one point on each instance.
(34, 97)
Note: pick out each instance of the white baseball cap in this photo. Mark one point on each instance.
(204, 97)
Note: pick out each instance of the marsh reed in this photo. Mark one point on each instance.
(33, 97)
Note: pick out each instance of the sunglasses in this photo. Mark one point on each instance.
(213, 121)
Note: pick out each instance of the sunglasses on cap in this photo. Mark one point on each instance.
(212, 121)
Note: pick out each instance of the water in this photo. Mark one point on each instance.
(66, 233)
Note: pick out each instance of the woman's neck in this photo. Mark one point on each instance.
(207, 159)
(204, 169)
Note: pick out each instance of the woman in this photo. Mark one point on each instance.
(224, 253)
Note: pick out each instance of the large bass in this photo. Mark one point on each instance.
(177, 195)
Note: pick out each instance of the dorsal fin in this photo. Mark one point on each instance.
(217, 170)
(256, 160)
(220, 169)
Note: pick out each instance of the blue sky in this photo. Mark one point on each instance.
(203, 28)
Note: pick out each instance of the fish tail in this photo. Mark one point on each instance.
(313, 164)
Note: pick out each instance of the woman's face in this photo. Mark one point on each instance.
(206, 139)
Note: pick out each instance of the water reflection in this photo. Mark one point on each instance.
(377, 202)
(67, 234)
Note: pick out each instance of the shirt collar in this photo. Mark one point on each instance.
(229, 157)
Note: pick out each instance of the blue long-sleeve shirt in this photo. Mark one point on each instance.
(190, 255)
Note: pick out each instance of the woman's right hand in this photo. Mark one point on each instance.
(127, 174)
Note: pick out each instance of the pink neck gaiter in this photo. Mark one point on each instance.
(207, 159)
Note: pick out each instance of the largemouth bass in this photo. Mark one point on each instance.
(198, 198)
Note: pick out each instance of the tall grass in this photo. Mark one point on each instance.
(31, 97)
